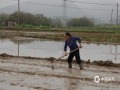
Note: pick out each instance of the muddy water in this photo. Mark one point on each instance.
(45, 48)
(33, 74)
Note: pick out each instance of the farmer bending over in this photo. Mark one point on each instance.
(71, 43)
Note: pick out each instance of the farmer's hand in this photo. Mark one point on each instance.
(80, 46)
(65, 53)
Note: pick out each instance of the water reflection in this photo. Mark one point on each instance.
(110, 49)
(45, 48)
(18, 47)
(116, 53)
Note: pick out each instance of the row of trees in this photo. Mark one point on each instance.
(80, 22)
(39, 19)
(3, 18)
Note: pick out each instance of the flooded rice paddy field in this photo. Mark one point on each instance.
(46, 48)
(20, 73)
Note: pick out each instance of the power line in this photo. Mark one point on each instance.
(61, 6)
(103, 17)
(40, 4)
(79, 2)
(4, 2)
(90, 9)
(92, 3)
(70, 7)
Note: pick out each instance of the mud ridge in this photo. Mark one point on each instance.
(53, 75)
(107, 63)
(49, 75)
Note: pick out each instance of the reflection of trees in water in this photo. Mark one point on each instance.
(98, 44)
(29, 40)
(116, 52)
(23, 41)
(18, 42)
(3, 39)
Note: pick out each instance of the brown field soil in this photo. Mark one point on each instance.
(28, 73)
(59, 35)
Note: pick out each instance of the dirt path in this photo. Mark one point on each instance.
(36, 74)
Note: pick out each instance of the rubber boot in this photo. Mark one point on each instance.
(81, 66)
(70, 65)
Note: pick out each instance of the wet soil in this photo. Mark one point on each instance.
(59, 35)
(30, 73)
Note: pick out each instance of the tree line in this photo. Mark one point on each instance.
(39, 19)
(80, 22)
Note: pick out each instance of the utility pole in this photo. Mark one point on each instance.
(111, 17)
(18, 22)
(117, 15)
(119, 20)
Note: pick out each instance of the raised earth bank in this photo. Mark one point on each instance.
(28, 73)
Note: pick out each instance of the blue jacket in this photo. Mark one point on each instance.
(72, 43)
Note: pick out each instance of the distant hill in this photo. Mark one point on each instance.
(102, 15)
(50, 11)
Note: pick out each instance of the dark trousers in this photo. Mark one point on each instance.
(77, 56)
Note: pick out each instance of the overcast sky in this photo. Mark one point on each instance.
(93, 13)
(4, 3)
